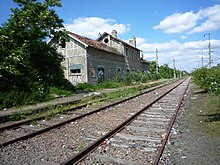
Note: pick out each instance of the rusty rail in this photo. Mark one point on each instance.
(160, 152)
(81, 155)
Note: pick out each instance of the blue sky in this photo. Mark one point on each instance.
(175, 27)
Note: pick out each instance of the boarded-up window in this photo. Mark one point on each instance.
(92, 72)
(75, 71)
(138, 57)
(101, 73)
(118, 70)
(126, 51)
(110, 73)
(132, 55)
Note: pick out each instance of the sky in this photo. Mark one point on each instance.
(178, 29)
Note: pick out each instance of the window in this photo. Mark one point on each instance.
(118, 70)
(126, 51)
(138, 57)
(75, 71)
(101, 73)
(106, 40)
(110, 71)
(132, 55)
(92, 72)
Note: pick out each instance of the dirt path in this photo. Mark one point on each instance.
(196, 135)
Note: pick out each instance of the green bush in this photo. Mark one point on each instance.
(84, 87)
(145, 78)
(208, 79)
(18, 98)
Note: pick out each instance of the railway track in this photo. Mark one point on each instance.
(22, 130)
(72, 138)
(140, 139)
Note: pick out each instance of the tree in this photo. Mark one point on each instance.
(29, 66)
(166, 71)
(153, 73)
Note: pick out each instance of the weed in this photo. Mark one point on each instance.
(60, 92)
(34, 122)
(17, 116)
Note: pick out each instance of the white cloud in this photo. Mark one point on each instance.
(211, 19)
(204, 20)
(183, 37)
(92, 26)
(187, 55)
(140, 40)
(177, 23)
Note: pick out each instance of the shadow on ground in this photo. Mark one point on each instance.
(211, 117)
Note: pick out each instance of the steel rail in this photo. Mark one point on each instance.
(160, 152)
(4, 144)
(91, 147)
(26, 121)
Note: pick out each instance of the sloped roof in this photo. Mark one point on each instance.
(125, 43)
(94, 43)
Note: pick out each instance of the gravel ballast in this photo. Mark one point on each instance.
(190, 142)
(59, 144)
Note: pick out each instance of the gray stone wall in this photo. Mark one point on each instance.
(133, 58)
(103, 65)
(75, 63)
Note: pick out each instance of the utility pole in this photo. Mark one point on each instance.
(209, 49)
(202, 56)
(157, 70)
(174, 69)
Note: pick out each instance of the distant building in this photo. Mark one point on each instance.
(91, 61)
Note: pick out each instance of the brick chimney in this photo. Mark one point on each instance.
(114, 33)
(133, 41)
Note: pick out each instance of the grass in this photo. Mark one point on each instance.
(207, 108)
(60, 92)
(91, 101)
(211, 115)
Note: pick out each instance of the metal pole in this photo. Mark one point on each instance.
(157, 62)
(209, 49)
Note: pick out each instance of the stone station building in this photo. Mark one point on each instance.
(90, 61)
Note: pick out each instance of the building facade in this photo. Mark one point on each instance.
(91, 61)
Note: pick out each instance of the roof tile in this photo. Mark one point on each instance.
(94, 43)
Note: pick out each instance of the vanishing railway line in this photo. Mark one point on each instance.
(140, 139)
(59, 145)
